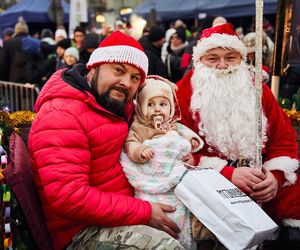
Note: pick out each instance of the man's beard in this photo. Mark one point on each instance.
(106, 101)
(225, 101)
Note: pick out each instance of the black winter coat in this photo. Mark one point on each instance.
(156, 65)
(19, 60)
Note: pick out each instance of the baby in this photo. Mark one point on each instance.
(154, 148)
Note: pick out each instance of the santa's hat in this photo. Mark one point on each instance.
(220, 36)
(120, 48)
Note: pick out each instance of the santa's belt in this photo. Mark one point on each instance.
(239, 163)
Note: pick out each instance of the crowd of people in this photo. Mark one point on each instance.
(120, 120)
(26, 58)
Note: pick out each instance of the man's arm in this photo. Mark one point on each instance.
(62, 161)
(133, 145)
(63, 169)
(281, 150)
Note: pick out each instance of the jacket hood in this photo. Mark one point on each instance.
(57, 87)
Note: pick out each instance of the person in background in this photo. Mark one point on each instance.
(186, 61)
(7, 34)
(71, 57)
(164, 50)
(48, 43)
(21, 56)
(60, 34)
(89, 44)
(144, 38)
(105, 31)
(61, 46)
(217, 101)
(48, 50)
(179, 24)
(119, 25)
(35, 34)
(268, 28)
(240, 32)
(79, 34)
(175, 52)
(249, 42)
(75, 142)
(152, 45)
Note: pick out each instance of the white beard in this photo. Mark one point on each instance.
(225, 101)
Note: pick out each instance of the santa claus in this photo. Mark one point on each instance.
(217, 100)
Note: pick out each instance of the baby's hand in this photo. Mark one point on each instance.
(147, 153)
(195, 143)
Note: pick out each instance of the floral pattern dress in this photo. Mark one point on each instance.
(156, 180)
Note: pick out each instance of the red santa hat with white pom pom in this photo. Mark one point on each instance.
(120, 48)
(220, 36)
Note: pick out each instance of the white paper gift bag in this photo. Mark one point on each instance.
(235, 219)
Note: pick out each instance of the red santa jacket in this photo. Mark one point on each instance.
(75, 146)
(281, 149)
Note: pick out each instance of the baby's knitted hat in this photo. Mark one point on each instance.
(156, 87)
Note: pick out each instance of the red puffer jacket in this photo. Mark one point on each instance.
(75, 146)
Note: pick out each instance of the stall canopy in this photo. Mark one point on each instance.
(190, 9)
(33, 11)
(237, 8)
(169, 9)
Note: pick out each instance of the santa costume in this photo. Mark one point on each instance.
(219, 105)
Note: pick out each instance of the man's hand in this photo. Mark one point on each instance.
(189, 159)
(161, 221)
(147, 153)
(265, 190)
(245, 178)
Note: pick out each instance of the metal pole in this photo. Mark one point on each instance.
(258, 81)
(275, 85)
(280, 42)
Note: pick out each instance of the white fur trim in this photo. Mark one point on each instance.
(190, 134)
(200, 145)
(285, 164)
(218, 40)
(121, 54)
(291, 223)
(212, 162)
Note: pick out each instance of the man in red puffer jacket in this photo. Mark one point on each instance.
(83, 116)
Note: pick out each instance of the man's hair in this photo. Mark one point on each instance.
(79, 29)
